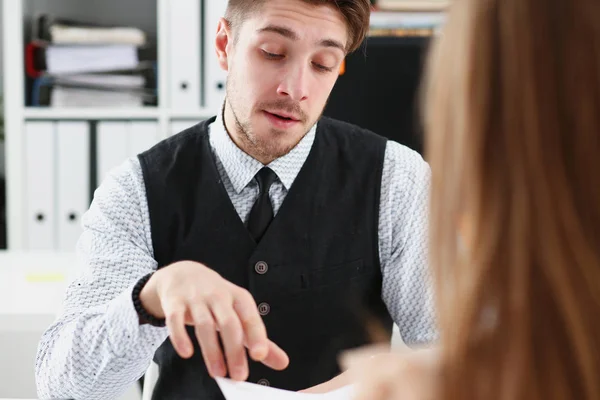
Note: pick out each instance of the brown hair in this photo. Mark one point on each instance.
(513, 139)
(356, 13)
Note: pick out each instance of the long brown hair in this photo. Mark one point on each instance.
(513, 139)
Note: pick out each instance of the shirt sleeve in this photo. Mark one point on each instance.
(96, 348)
(403, 237)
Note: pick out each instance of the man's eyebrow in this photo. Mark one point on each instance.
(290, 34)
(281, 30)
(332, 43)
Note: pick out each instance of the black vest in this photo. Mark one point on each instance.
(322, 285)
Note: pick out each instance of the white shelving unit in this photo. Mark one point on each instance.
(171, 23)
(17, 114)
(36, 113)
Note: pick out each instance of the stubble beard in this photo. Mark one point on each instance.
(265, 149)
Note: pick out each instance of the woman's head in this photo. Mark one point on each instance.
(513, 139)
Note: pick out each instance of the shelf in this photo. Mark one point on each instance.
(201, 113)
(418, 16)
(418, 41)
(412, 5)
(91, 113)
(31, 113)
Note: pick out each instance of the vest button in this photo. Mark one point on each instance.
(261, 267)
(264, 382)
(264, 309)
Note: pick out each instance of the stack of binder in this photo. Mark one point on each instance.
(195, 78)
(64, 162)
(76, 64)
(215, 77)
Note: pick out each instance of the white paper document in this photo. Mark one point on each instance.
(72, 59)
(233, 390)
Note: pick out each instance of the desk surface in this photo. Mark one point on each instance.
(32, 286)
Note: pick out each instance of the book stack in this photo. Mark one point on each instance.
(80, 64)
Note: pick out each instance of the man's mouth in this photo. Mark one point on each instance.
(283, 116)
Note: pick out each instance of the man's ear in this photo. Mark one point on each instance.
(223, 43)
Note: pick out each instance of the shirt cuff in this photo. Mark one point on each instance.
(127, 336)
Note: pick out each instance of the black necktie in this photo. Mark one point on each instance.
(262, 210)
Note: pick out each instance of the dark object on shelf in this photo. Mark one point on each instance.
(380, 88)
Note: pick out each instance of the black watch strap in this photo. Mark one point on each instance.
(145, 316)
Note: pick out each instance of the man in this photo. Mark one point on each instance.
(266, 230)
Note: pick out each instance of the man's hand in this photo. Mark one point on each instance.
(189, 293)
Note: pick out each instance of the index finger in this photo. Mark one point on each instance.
(253, 326)
(276, 359)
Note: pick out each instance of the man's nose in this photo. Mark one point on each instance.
(295, 84)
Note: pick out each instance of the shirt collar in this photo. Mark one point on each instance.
(241, 168)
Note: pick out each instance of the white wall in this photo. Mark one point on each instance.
(1, 51)
(1, 91)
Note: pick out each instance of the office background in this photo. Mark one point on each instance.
(69, 121)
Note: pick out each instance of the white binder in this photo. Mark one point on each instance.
(39, 166)
(184, 33)
(142, 136)
(214, 77)
(112, 147)
(72, 180)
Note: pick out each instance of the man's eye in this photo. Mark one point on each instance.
(322, 68)
(272, 56)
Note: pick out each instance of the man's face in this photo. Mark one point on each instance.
(282, 68)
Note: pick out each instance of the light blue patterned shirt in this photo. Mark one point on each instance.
(96, 348)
